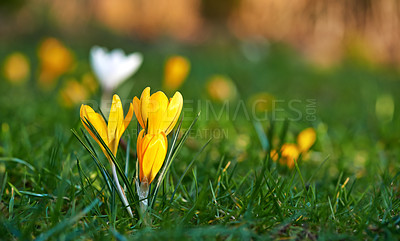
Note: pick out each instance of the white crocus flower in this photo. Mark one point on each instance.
(114, 67)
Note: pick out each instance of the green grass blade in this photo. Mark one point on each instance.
(131, 195)
(261, 135)
(172, 155)
(103, 171)
(166, 165)
(67, 223)
(3, 185)
(284, 131)
(188, 167)
(13, 159)
(11, 204)
(127, 159)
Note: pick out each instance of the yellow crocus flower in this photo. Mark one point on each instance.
(16, 68)
(55, 60)
(111, 133)
(306, 139)
(156, 113)
(151, 151)
(289, 153)
(73, 93)
(175, 72)
(221, 88)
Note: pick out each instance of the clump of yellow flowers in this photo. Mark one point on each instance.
(157, 115)
(290, 152)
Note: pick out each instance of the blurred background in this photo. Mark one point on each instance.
(342, 55)
(324, 31)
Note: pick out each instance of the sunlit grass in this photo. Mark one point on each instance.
(222, 184)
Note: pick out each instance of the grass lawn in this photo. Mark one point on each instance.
(345, 187)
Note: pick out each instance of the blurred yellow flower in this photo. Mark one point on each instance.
(156, 113)
(262, 102)
(306, 139)
(90, 82)
(110, 133)
(291, 151)
(55, 59)
(151, 151)
(221, 88)
(73, 93)
(16, 68)
(175, 72)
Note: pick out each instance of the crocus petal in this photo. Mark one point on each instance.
(173, 113)
(145, 106)
(158, 107)
(145, 165)
(139, 151)
(97, 121)
(124, 66)
(136, 108)
(156, 113)
(306, 139)
(127, 67)
(160, 155)
(127, 120)
(154, 149)
(99, 64)
(274, 155)
(289, 153)
(115, 121)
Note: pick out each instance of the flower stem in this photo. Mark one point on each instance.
(105, 102)
(143, 193)
(120, 191)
